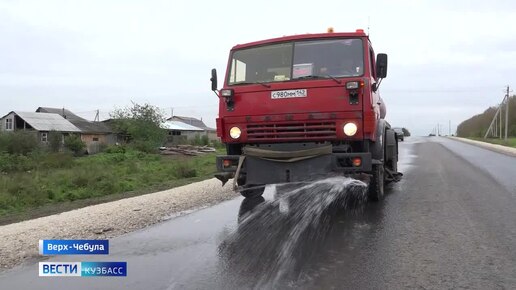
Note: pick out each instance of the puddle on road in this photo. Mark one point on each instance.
(275, 237)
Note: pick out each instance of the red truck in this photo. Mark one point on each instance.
(302, 106)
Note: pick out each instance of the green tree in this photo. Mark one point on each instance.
(4, 141)
(20, 142)
(55, 140)
(205, 140)
(141, 126)
(196, 140)
(74, 143)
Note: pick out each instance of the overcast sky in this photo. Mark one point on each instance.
(448, 60)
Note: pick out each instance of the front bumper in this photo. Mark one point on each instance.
(258, 170)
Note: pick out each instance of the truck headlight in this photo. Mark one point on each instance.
(226, 93)
(235, 132)
(352, 85)
(350, 129)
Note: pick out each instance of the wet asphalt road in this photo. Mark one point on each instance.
(450, 223)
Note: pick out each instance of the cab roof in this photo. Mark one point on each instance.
(358, 33)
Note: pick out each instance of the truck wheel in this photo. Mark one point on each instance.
(376, 185)
(254, 191)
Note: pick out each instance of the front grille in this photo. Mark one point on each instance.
(291, 131)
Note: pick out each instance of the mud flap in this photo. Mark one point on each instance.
(224, 177)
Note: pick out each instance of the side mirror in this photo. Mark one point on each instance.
(213, 79)
(381, 65)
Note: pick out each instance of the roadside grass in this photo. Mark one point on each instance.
(511, 141)
(43, 184)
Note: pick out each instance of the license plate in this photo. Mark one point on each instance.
(288, 94)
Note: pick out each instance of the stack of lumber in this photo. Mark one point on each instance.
(190, 150)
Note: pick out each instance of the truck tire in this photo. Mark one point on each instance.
(254, 191)
(376, 185)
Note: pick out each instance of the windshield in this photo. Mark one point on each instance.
(297, 60)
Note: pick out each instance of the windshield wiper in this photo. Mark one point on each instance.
(251, 83)
(325, 76)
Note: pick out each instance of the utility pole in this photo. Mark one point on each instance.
(493, 127)
(495, 133)
(501, 118)
(506, 112)
(438, 132)
(97, 118)
(449, 127)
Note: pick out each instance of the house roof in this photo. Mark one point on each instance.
(47, 122)
(180, 126)
(191, 121)
(67, 114)
(92, 127)
(84, 125)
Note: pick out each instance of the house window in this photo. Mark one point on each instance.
(95, 139)
(44, 137)
(8, 124)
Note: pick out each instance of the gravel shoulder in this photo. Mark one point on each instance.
(19, 241)
(493, 147)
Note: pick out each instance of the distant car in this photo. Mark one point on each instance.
(399, 134)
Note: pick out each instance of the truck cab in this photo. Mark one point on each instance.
(300, 107)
